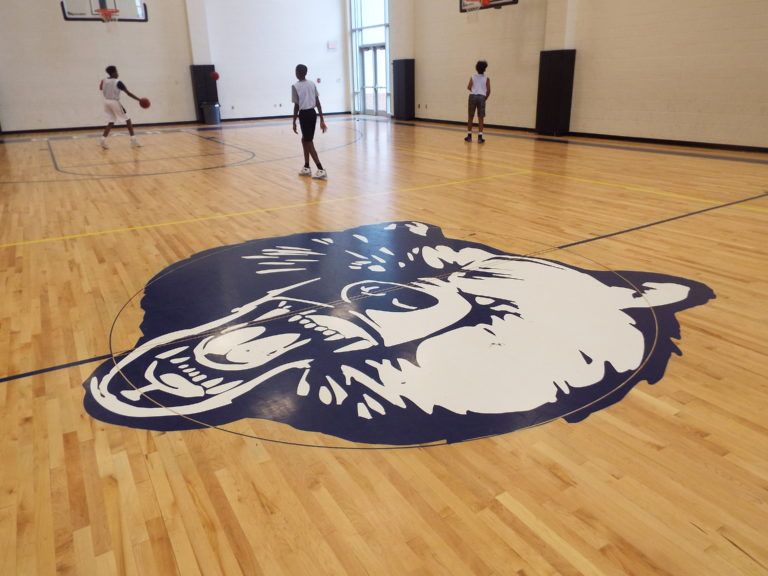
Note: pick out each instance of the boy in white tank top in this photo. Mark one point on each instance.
(110, 88)
(480, 90)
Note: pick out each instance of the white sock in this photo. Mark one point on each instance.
(481, 134)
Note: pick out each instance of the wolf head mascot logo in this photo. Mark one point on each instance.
(388, 334)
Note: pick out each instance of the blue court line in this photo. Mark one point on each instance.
(561, 247)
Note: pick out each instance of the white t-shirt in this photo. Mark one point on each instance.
(304, 93)
(111, 88)
(479, 84)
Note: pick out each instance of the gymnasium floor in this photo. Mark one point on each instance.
(672, 479)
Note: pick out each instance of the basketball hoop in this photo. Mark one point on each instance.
(472, 8)
(108, 14)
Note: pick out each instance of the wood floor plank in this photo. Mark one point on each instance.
(671, 480)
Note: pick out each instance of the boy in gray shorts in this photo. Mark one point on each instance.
(480, 90)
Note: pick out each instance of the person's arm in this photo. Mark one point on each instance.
(101, 85)
(295, 100)
(323, 127)
(469, 85)
(122, 87)
(487, 88)
(295, 115)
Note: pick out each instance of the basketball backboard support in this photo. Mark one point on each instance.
(88, 10)
(470, 5)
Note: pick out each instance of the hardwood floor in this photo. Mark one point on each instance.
(673, 479)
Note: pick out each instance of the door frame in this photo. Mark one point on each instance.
(379, 81)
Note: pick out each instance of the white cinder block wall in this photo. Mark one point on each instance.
(684, 70)
(447, 44)
(693, 70)
(256, 45)
(50, 69)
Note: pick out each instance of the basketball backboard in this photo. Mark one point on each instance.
(470, 5)
(88, 10)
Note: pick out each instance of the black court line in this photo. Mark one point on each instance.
(146, 160)
(236, 125)
(63, 170)
(661, 151)
(673, 218)
(53, 368)
(53, 157)
(353, 118)
(561, 247)
(246, 162)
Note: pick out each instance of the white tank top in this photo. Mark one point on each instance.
(479, 84)
(110, 88)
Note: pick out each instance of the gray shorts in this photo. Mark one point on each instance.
(476, 102)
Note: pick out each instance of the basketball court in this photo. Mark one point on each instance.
(538, 355)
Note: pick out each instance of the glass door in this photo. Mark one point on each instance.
(369, 38)
(374, 72)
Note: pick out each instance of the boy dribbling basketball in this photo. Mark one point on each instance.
(111, 87)
(480, 90)
(305, 99)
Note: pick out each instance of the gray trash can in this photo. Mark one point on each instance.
(211, 113)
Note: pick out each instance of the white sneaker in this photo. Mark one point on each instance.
(135, 143)
(320, 175)
(306, 171)
(104, 144)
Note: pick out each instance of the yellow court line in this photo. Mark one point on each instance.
(251, 212)
(630, 187)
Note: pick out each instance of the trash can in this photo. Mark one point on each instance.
(211, 113)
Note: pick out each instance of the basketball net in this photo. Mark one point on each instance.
(472, 8)
(109, 16)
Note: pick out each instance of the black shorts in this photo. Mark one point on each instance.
(307, 121)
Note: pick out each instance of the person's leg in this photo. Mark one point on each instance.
(306, 140)
(134, 141)
(470, 117)
(481, 123)
(313, 153)
(481, 119)
(105, 134)
(308, 120)
(320, 174)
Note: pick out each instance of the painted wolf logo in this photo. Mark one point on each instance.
(388, 334)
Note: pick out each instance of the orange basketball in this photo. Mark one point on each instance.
(144, 102)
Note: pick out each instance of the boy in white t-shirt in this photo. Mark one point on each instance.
(305, 99)
(111, 87)
(480, 90)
